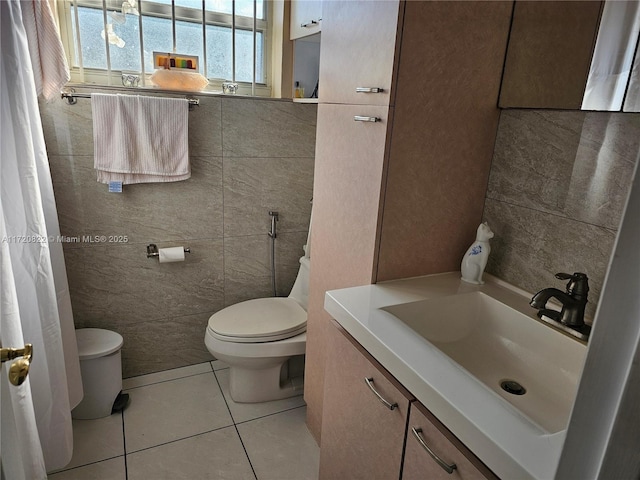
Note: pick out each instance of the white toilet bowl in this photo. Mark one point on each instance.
(257, 338)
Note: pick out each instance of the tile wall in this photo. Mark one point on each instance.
(248, 156)
(557, 189)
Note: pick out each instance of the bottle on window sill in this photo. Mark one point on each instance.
(299, 91)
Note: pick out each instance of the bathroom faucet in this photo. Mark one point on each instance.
(574, 300)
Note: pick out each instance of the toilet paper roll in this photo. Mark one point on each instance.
(172, 254)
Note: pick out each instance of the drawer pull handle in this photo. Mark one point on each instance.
(390, 406)
(360, 118)
(445, 466)
(369, 90)
(312, 23)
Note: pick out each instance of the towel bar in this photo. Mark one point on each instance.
(71, 98)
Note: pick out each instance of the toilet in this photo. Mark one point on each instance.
(261, 340)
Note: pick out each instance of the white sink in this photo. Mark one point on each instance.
(494, 343)
(451, 344)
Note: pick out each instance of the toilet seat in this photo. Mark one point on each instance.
(259, 320)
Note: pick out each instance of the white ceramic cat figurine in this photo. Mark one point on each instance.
(475, 259)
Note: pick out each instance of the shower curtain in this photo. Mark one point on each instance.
(35, 420)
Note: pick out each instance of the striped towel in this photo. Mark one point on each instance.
(140, 139)
(49, 63)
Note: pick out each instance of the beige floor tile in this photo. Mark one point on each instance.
(219, 365)
(215, 455)
(96, 440)
(172, 410)
(280, 446)
(113, 469)
(243, 412)
(172, 374)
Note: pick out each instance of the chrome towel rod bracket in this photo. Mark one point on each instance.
(71, 97)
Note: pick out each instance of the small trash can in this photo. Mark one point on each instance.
(101, 370)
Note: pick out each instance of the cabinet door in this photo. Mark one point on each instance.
(305, 18)
(419, 464)
(362, 438)
(359, 40)
(549, 54)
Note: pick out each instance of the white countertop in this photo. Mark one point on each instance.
(508, 442)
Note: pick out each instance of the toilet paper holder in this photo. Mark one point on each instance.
(152, 250)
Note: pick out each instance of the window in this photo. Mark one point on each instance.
(223, 33)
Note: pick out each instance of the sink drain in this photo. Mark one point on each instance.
(512, 387)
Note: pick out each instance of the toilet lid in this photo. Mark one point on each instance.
(259, 320)
(97, 342)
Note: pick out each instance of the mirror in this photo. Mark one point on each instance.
(575, 55)
(613, 83)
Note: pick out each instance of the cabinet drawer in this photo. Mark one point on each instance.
(362, 436)
(425, 433)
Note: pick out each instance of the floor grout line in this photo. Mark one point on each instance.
(235, 426)
(85, 465)
(270, 415)
(180, 439)
(173, 379)
(124, 447)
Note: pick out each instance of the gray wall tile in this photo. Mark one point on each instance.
(254, 186)
(247, 268)
(144, 213)
(557, 189)
(162, 310)
(530, 247)
(574, 164)
(205, 128)
(119, 284)
(159, 344)
(267, 129)
(68, 129)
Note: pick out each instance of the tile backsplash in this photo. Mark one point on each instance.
(248, 156)
(557, 190)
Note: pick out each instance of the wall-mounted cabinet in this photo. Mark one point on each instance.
(306, 18)
(306, 68)
(575, 55)
(549, 54)
(359, 43)
(401, 173)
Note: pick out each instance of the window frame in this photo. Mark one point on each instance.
(101, 77)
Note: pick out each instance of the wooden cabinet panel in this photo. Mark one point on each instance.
(418, 464)
(305, 18)
(549, 54)
(361, 437)
(359, 43)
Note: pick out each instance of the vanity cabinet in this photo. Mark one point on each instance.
(306, 16)
(549, 55)
(363, 437)
(426, 432)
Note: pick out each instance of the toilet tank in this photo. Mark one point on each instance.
(300, 290)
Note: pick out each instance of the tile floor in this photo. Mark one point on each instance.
(182, 424)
